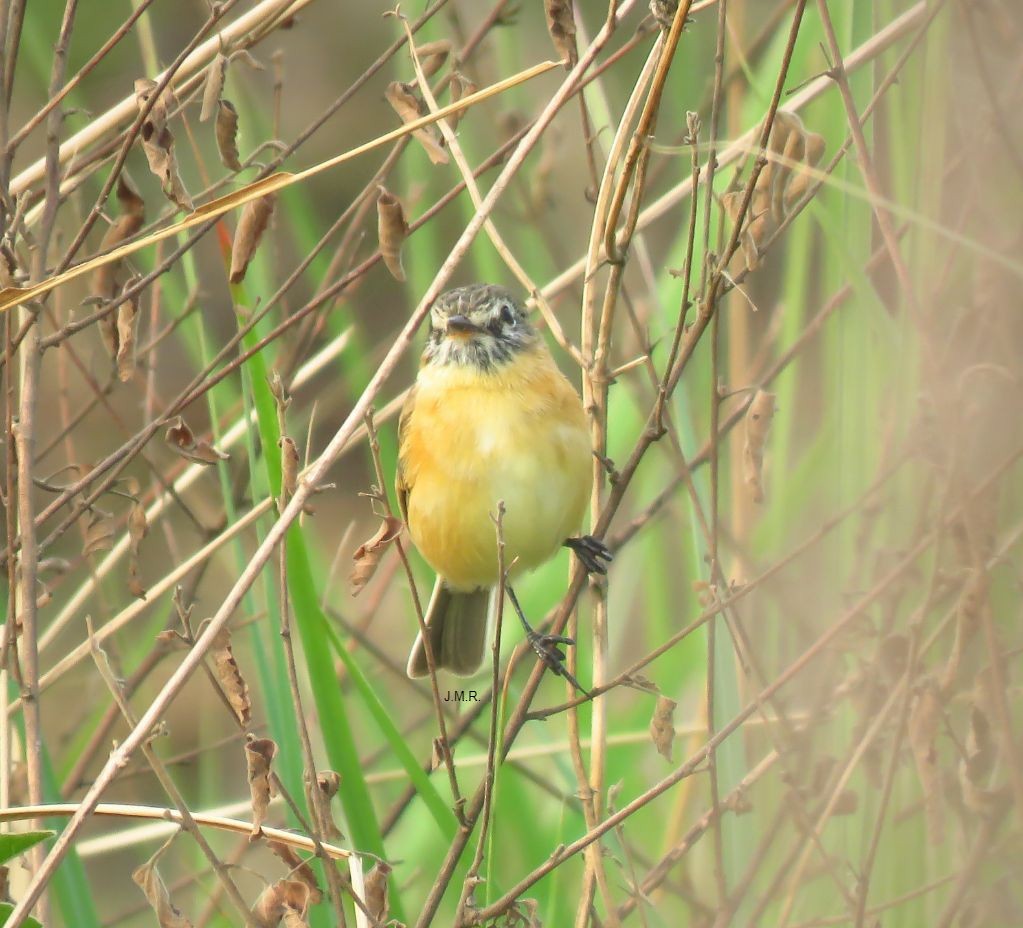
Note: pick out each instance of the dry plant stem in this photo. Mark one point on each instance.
(319, 808)
(715, 423)
(217, 11)
(469, 180)
(307, 485)
(24, 436)
(125, 111)
(610, 200)
(438, 705)
(101, 736)
(796, 873)
(472, 876)
(866, 164)
(790, 672)
(659, 873)
(188, 823)
(666, 203)
(160, 814)
(10, 524)
(1000, 120)
(86, 68)
(207, 212)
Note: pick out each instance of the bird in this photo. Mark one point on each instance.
(490, 418)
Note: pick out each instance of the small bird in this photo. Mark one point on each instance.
(490, 418)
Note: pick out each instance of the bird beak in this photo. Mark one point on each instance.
(461, 326)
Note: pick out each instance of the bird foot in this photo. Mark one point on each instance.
(553, 657)
(593, 554)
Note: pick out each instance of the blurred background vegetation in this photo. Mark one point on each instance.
(823, 538)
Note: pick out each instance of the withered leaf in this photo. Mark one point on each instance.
(367, 555)
(392, 230)
(758, 426)
(662, 726)
(127, 331)
(432, 55)
(158, 143)
(259, 755)
(460, 87)
(561, 26)
(104, 280)
(148, 879)
(180, 437)
(289, 466)
(328, 783)
(254, 220)
(137, 530)
(922, 730)
(297, 868)
(213, 87)
(277, 899)
(226, 129)
(976, 766)
(99, 532)
(376, 899)
(409, 106)
(294, 919)
(231, 678)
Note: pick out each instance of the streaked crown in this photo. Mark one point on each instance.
(482, 324)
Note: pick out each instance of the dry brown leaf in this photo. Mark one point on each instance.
(461, 87)
(922, 730)
(328, 782)
(432, 55)
(561, 26)
(662, 726)
(104, 279)
(392, 230)
(259, 755)
(367, 555)
(181, 439)
(230, 677)
(138, 528)
(254, 220)
(792, 155)
(127, 332)
(294, 919)
(975, 767)
(297, 868)
(376, 899)
(407, 104)
(226, 130)
(213, 87)
(758, 425)
(158, 143)
(99, 532)
(289, 466)
(277, 899)
(148, 879)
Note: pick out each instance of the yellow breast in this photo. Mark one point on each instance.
(516, 433)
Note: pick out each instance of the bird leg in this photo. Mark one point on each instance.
(593, 553)
(545, 646)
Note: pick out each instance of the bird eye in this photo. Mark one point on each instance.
(507, 314)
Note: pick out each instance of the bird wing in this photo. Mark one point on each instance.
(402, 485)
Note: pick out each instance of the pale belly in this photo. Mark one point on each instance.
(538, 463)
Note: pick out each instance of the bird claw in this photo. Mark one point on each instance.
(593, 554)
(553, 658)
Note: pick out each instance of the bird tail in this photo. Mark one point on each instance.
(457, 625)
